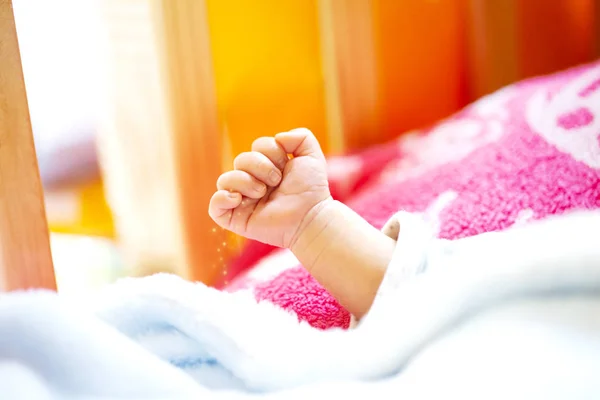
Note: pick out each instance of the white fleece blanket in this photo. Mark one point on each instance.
(514, 314)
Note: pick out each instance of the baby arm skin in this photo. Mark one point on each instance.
(286, 202)
(345, 254)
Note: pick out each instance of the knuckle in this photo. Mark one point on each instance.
(228, 179)
(221, 180)
(259, 164)
(241, 160)
(261, 143)
(212, 205)
(250, 162)
(303, 131)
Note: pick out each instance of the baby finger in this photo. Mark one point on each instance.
(242, 182)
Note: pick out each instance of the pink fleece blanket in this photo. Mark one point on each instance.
(525, 152)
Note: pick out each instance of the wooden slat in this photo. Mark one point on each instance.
(420, 61)
(159, 145)
(597, 27)
(493, 49)
(511, 40)
(350, 70)
(190, 88)
(554, 35)
(25, 258)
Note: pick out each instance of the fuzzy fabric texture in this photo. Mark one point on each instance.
(526, 152)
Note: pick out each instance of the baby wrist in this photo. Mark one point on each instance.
(318, 230)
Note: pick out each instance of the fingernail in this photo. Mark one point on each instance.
(232, 195)
(274, 177)
(259, 188)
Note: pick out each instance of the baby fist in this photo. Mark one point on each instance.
(270, 196)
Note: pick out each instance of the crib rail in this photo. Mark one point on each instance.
(25, 259)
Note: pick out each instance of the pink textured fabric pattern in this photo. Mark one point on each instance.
(295, 290)
(523, 153)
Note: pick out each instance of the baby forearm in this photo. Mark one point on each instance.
(345, 254)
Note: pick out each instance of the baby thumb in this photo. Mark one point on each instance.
(300, 143)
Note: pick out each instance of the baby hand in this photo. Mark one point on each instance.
(268, 196)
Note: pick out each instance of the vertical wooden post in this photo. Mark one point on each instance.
(493, 49)
(554, 35)
(188, 74)
(597, 27)
(160, 148)
(25, 259)
(350, 70)
(419, 52)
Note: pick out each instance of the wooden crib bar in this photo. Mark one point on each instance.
(159, 146)
(597, 27)
(25, 259)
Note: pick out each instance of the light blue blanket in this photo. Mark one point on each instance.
(504, 315)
